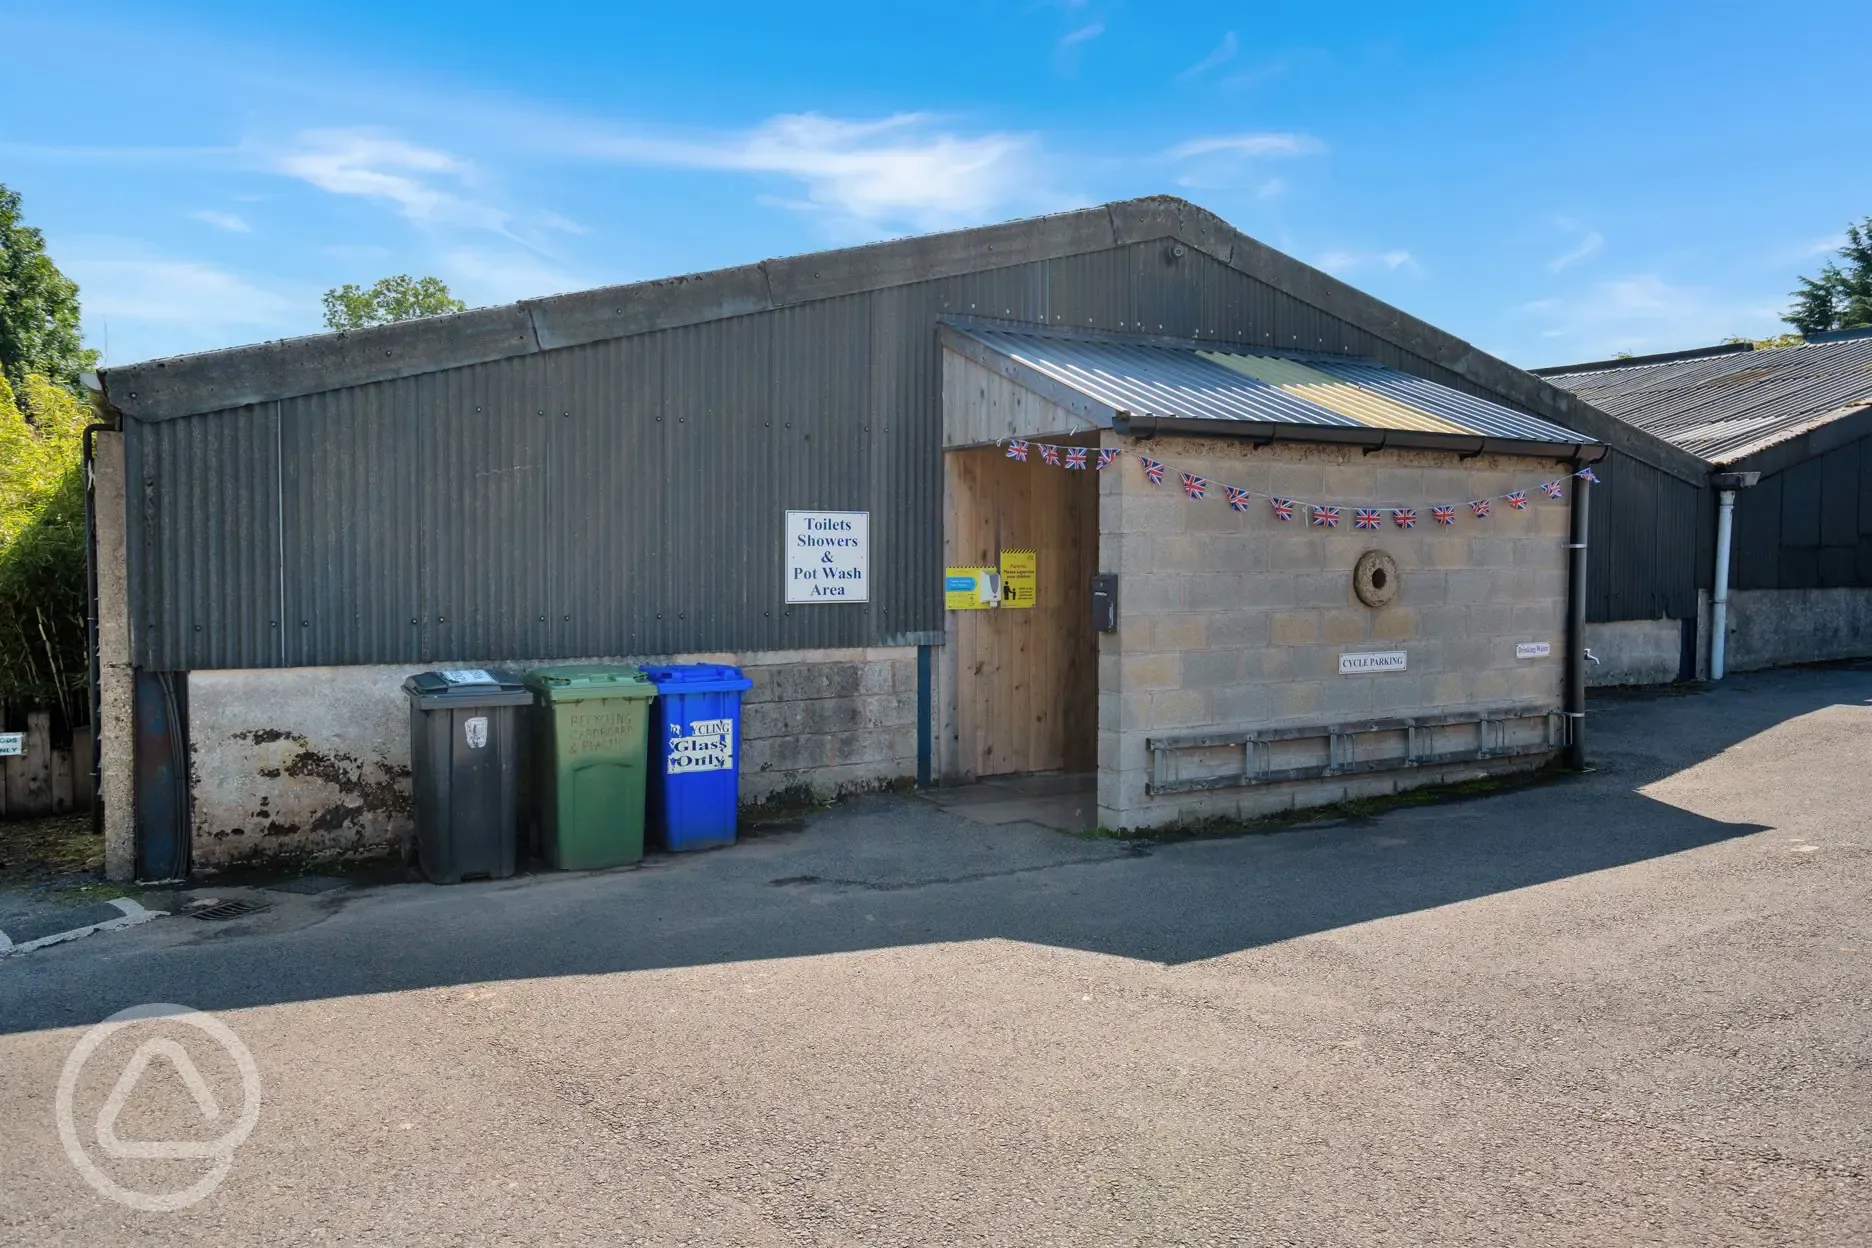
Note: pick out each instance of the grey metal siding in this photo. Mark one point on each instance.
(1647, 554)
(1808, 526)
(630, 490)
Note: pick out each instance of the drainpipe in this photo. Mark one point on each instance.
(1726, 483)
(1574, 704)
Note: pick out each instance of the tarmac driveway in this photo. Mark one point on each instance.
(1631, 1007)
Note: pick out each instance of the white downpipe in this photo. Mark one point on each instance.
(1719, 601)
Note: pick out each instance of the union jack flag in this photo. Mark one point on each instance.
(1481, 508)
(1551, 489)
(1237, 497)
(1076, 457)
(1443, 515)
(1049, 453)
(1586, 474)
(1105, 457)
(1194, 485)
(1283, 507)
(1518, 500)
(1152, 469)
(1365, 518)
(1017, 449)
(1326, 517)
(1406, 517)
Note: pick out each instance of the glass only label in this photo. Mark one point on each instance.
(598, 727)
(708, 746)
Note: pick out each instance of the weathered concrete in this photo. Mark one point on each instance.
(1634, 652)
(1234, 620)
(315, 761)
(1775, 627)
(116, 681)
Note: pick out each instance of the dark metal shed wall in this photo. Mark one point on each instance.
(625, 497)
(1810, 525)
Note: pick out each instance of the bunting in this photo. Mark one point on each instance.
(1365, 517)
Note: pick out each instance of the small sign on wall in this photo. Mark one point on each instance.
(1377, 661)
(1020, 578)
(828, 556)
(971, 589)
(12, 744)
(1532, 649)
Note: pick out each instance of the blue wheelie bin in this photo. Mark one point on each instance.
(695, 744)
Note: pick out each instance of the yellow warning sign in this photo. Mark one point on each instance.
(971, 589)
(1020, 577)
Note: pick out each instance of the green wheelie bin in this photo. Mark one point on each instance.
(591, 751)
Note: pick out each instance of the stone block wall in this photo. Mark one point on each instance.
(1234, 620)
(315, 761)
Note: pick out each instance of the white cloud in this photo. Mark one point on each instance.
(378, 166)
(223, 221)
(1643, 313)
(1340, 263)
(1589, 246)
(1273, 188)
(479, 277)
(902, 169)
(187, 293)
(1085, 34)
(1257, 144)
(1224, 53)
(553, 221)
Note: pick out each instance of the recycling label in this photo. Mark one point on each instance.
(707, 746)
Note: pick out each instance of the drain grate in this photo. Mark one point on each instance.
(221, 912)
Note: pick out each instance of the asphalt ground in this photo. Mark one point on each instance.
(1629, 1007)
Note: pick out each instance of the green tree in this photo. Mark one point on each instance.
(1841, 297)
(41, 435)
(42, 553)
(399, 298)
(38, 307)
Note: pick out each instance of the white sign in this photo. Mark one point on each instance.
(828, 556)
(12, 744)
(476, 731)
(708, 747)
(1380, 661)
(467, 676)
(1532, 650)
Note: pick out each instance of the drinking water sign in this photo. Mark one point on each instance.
(828, 556)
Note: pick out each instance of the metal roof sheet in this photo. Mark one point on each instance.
(1219, 381)
(1727, 407)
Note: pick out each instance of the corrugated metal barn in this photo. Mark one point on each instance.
(1789, 429)
(604, 474)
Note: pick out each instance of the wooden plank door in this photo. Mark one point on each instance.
(1027, 679)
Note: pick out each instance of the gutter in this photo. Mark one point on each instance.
(1266, 433)
(1726, 483)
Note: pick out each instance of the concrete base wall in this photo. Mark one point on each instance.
(1635, 652)
(315, 761)
(1773, 627)
(1234, 620)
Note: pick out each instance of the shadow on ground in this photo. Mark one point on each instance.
(891, 871)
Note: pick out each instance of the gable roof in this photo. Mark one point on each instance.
(216, 380)
(1304, 394)
(1726, 407)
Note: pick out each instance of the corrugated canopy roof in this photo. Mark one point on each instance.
(1221, 381)
(1727, 407)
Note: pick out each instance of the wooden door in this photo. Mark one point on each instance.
(1026, 679)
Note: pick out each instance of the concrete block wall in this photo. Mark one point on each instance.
(1773, 627)
(1233, 620)
(1635, 652)
(315, 761)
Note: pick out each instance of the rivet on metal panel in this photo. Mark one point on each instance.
(567, 617)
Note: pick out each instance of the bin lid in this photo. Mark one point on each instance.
(696, 677)
(472, 686)
(575, 682)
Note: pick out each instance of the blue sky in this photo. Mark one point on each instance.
(1551, 182)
